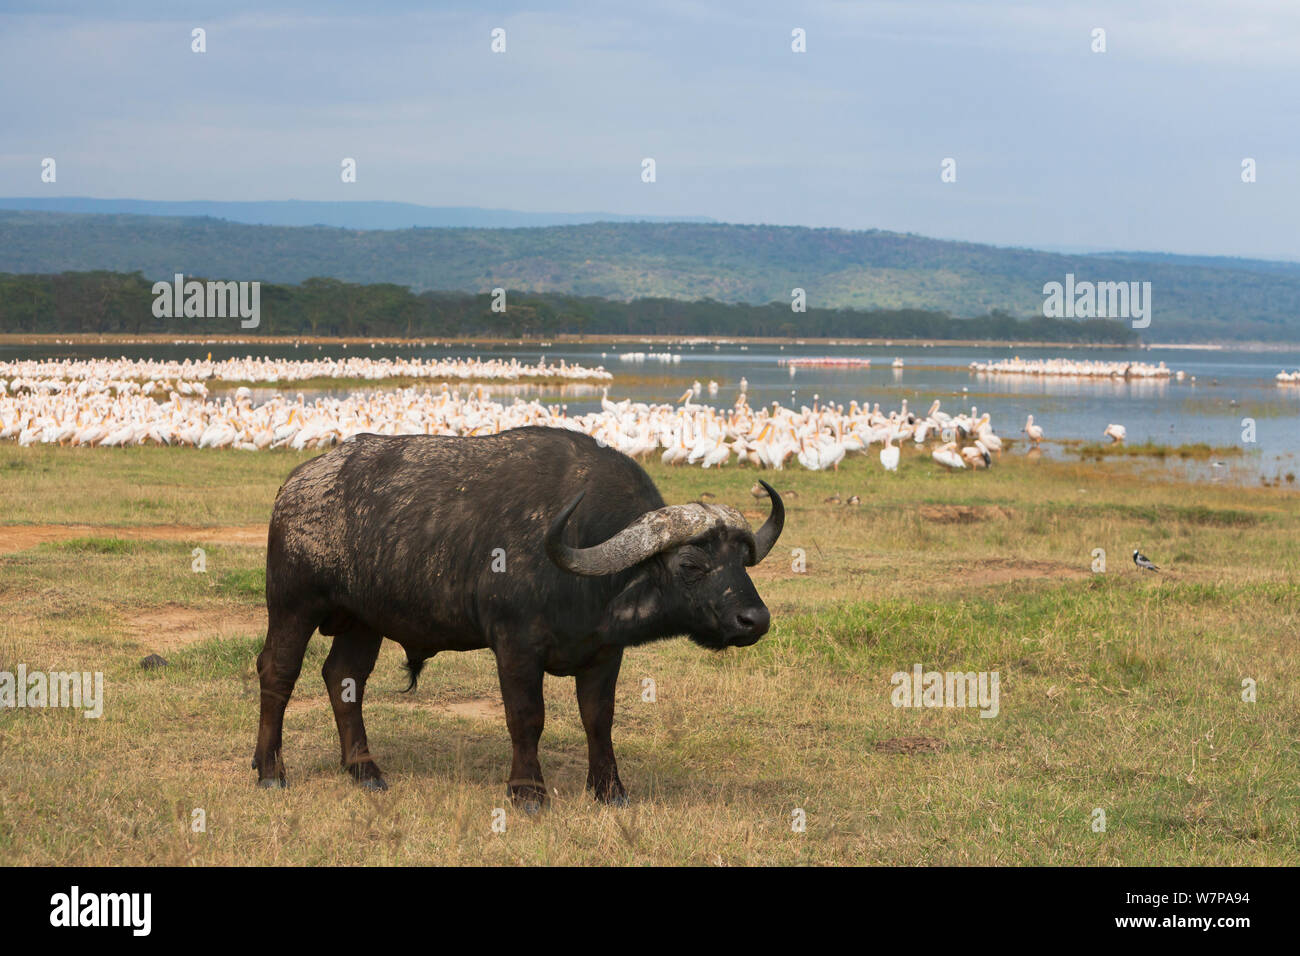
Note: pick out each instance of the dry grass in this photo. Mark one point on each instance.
(1119, 691)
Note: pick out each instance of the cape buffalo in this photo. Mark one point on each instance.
(549, 548)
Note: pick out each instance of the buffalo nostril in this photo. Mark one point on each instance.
(754, 619)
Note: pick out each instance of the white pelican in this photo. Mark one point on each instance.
(985, 432)
(977, 455)
(948, 456)
(1035, 432)
(717, 456)
(889, 454)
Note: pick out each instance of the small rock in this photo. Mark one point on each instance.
(152, 661)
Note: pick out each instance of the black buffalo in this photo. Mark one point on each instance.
(552, 550)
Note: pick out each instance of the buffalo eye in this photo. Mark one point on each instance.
(691, 566)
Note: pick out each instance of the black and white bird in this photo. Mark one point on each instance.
(1142, 561)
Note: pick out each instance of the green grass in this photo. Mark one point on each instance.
(246, 583)
(1119, 690)
(1199, 451)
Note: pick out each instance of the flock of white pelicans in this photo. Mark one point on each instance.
(123, 371)
(104, 404)
(1077, 368)
(119, 402)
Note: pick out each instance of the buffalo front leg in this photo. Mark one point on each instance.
(277, 669)
(521, 693)
(350, 661)
(595, 686)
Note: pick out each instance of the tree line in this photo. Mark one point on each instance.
(102, 302)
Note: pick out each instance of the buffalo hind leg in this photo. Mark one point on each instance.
(277, 669)
(351, 659)
(595, 686)
(521, 693)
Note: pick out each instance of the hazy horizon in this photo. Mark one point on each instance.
(558, 218)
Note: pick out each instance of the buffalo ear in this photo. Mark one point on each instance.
(638, 606)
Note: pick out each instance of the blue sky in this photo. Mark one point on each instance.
(1139, 147)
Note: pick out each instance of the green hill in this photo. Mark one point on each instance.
(728, 263)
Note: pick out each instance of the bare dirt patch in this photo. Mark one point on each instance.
(168, 628)
(965, 514)
(479, 708)
(299, 703)
(1000, 571)
(19, 537)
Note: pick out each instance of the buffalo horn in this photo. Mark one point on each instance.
(652, 533)
(771, 530)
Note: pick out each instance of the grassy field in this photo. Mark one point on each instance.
(1119, 691)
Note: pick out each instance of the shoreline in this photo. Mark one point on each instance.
(158, 338)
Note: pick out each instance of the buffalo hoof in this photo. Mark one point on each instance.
(530, 799)
(609, 792)
(273, 783)
(373, 784)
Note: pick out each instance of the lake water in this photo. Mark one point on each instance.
(1229, 387)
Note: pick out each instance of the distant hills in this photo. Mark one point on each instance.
(1272, 266)
(344, 215)
(1195, 298)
